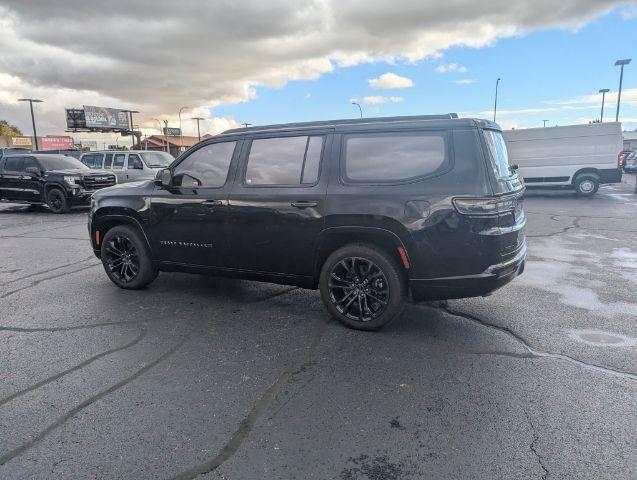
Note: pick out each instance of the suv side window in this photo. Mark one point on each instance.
(118, 161)
(92, 160)
(134, 162)
(108, 161)
(14, 164)
(30, 162)
(393, 157)
(205, 167)
(284, 161)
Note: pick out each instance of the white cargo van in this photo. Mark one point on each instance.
(128, 165)
(576, 156)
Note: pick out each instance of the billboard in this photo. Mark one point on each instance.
(56, 143)
(21, 141)
(104, 118)
(75, 118)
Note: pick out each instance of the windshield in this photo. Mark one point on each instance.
(157, 159)
(498, 153)
(60, 162)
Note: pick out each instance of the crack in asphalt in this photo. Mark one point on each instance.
(259, 407)
(37, 282)
(81, 365)
(538, 353)
(49, 270)
(67, 328)
(533, 448)
(575, 224)
(89, 401)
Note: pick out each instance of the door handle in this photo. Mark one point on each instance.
(213, 203)
(304, 204)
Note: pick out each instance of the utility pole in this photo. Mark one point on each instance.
(166, 135)
(181, 134)
(35, 133)
(621, 63)
(603, 91)
(246, 125)
(544, 122)
(198, 131)
(495, 105)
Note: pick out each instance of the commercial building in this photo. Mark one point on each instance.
(50, 142)
(176, 144)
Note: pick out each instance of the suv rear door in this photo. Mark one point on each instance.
(277, 204)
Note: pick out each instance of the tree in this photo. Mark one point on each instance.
(8, 130)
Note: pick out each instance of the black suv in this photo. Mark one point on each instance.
(55, 180)
(366, 210)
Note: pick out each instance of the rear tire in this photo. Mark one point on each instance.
(586, 185)
(56, 200)
(362, 287)
(126, 258)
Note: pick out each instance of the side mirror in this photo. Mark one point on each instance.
(164, 177)
(34, 171)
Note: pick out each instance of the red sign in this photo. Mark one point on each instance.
(56, 143)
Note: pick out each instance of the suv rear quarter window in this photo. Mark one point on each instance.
(393, 157)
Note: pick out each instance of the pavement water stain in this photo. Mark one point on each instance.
(600, 338)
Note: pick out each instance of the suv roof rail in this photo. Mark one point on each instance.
(349, 121)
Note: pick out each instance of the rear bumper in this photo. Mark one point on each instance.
(610, 175)
(494, 277)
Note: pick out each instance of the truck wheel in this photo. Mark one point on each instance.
(362, 287)
(586, 185)
(126, 258)
(56, 200)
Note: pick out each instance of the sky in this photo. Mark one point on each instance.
(281, 61)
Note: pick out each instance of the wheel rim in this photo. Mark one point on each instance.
(586, 186)
(122, 258)
(358, 288)
(55, 201)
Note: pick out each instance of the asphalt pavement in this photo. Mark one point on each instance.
(200, 377)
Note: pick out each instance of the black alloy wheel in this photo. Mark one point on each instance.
(363, 286)
(126, 258)
(358, 289)
(57, 201)
(122, 258)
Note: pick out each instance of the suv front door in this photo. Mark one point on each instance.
(277, 205)
(189, 218)
(11, 178)
(32, 182)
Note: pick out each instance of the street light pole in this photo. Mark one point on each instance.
(544, 122)
(198, 131)
(246, 124)
(603, 91)
(181, 135)
(160, 131)
(35, 133)
(359, 108)
(621, 63)
(495, 105)
(166, 136)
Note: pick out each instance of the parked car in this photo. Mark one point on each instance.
(580, 157)
(128, 165)
(12, 150)
(58, 181)
(630, 162)
(365, 210)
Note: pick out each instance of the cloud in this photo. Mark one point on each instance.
(206, 53)
(451, 67)
(308, 95)
(377, 100)
(465, 81)
(389, 81)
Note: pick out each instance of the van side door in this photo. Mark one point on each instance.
(135, 168)
(277, 205)
(119, 160)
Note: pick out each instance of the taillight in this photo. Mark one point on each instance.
(619, 160)
(484, 206)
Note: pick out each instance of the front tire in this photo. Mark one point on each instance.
(126, 258)
(586, 185)
(362, 287)
(56, 200)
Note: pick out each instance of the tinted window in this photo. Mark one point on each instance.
(135, 162)
(30, 162)
(388, 157)
(118, 160)
(157, 159)
(108, 162)
(13, 164)
(205, 167)
(498, 153)
(284, 161)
